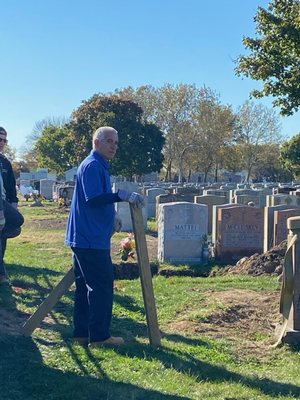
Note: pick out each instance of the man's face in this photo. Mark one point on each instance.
(107, 147)
(2, 141)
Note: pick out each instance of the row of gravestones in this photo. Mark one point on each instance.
(236, 230)
(288, 201)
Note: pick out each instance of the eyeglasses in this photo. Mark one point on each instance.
(3, 140)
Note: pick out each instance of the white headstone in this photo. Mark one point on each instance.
(182, 229)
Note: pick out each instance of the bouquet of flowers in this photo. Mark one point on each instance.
(127, 247)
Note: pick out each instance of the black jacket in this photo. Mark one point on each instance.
(9, 181)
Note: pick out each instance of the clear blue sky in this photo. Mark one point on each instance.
(56, 53)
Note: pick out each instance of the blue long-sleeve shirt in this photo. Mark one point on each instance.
(92, 212)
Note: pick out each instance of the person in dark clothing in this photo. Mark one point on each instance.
(13, 218)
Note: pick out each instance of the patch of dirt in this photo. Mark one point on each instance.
(270, 262)
(49, 223)
(247, 318)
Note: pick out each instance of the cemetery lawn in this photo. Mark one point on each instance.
(217, 332)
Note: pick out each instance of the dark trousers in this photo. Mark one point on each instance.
(93, 300)
(12, 228)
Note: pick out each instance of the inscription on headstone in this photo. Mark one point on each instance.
(184, 232)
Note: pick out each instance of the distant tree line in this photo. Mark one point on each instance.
(175, 129)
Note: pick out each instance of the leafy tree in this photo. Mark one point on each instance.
(269, 166)
(18, 167)
(275, 54)
(290, 155)
(215, 126)
(29, 157)
(170, 108)
(28, 160)
(258, 125)
(44, 123)
(193, 121)
(231, 158)
(145, 96)
(140, 143)
(53, 149)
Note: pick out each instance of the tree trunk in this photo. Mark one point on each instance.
(168, 171)
(180, 173)
(216, 173)
(248, 174)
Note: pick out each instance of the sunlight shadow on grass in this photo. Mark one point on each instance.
(185, 363)
(30, 378)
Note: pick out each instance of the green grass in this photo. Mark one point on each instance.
(188, 365)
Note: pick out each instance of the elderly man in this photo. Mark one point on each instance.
(91, 224)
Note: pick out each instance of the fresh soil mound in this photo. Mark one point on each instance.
(270, 262)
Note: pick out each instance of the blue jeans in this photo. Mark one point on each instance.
(12, 228)
(93, 299)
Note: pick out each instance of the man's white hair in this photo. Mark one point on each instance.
(101, 132)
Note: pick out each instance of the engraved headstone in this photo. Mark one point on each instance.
(182, 230)
(239, 232)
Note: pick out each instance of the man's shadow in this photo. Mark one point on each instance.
(24, 375)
